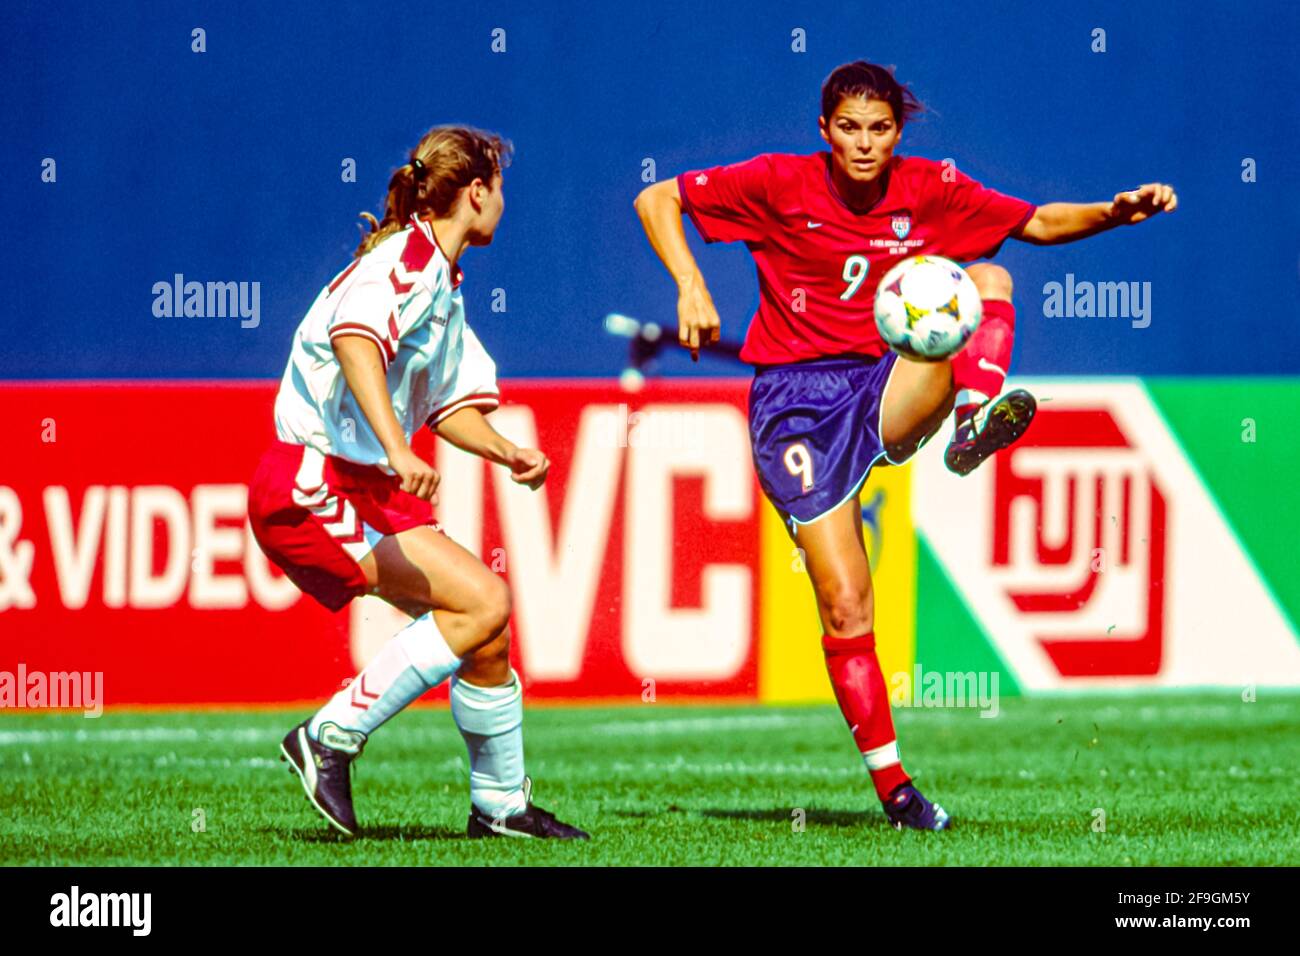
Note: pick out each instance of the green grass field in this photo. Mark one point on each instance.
(1183, 779)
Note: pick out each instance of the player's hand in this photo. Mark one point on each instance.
(418, 476)
(1143, 203)
(697, 319)
(528, 466)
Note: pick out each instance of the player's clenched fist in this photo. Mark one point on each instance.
(419, 478)
(1143, 203)
(528, 466)
(697, 319)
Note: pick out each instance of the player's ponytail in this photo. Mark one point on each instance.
(447, 159)
(872, 82)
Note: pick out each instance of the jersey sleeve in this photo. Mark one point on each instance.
(729, 203)
(472, 383)
(381, 306)
(977, 220)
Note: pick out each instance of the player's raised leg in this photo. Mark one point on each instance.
(837, 563)
(986, 421)
(916, 401)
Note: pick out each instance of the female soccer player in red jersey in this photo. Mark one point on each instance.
(345, 508)
(828, 398)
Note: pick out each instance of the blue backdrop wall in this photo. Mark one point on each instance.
(225, 165)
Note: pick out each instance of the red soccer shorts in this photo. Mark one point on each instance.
(317, 515)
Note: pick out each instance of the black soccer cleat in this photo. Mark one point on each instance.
(533, 823)
(993, 427)
(325, 770)
(906, 807)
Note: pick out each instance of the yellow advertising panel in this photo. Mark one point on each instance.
(790, 664)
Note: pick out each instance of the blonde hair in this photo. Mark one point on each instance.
(446, 160)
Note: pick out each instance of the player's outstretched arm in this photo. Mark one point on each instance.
(659, 207)
(363, 370)
(470, 431)
(1059, 222)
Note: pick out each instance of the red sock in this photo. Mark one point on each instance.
(991, 345)
(864, 702)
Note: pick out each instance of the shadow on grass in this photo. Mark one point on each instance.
(871, 819)
(825, 818)
(399, 834)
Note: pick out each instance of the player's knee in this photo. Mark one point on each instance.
(993, 282)
(847, 608)
(490, 608)
(494, 656)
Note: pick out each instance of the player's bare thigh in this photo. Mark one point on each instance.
(836, 559)
(423, 569)
(918, 398)
(920, 394)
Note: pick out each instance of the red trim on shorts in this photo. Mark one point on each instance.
(297, 539)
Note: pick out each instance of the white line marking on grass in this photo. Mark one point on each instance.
(260, 763)
(692, 725)
(733, 767)
(1175, 712)
(136, 735)
(171, 760)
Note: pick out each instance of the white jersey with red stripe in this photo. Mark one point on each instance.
(403, 297)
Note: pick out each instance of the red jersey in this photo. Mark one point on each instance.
(818, 261)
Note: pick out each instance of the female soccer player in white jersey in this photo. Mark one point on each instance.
(345, 508)
(828, 398)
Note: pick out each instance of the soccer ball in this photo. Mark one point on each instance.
(927, 308)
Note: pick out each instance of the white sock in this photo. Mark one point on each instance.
(491, 719)
(417, 659)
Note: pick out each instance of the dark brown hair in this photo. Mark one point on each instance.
(872, 82)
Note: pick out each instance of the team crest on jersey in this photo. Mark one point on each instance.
(902, 226)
